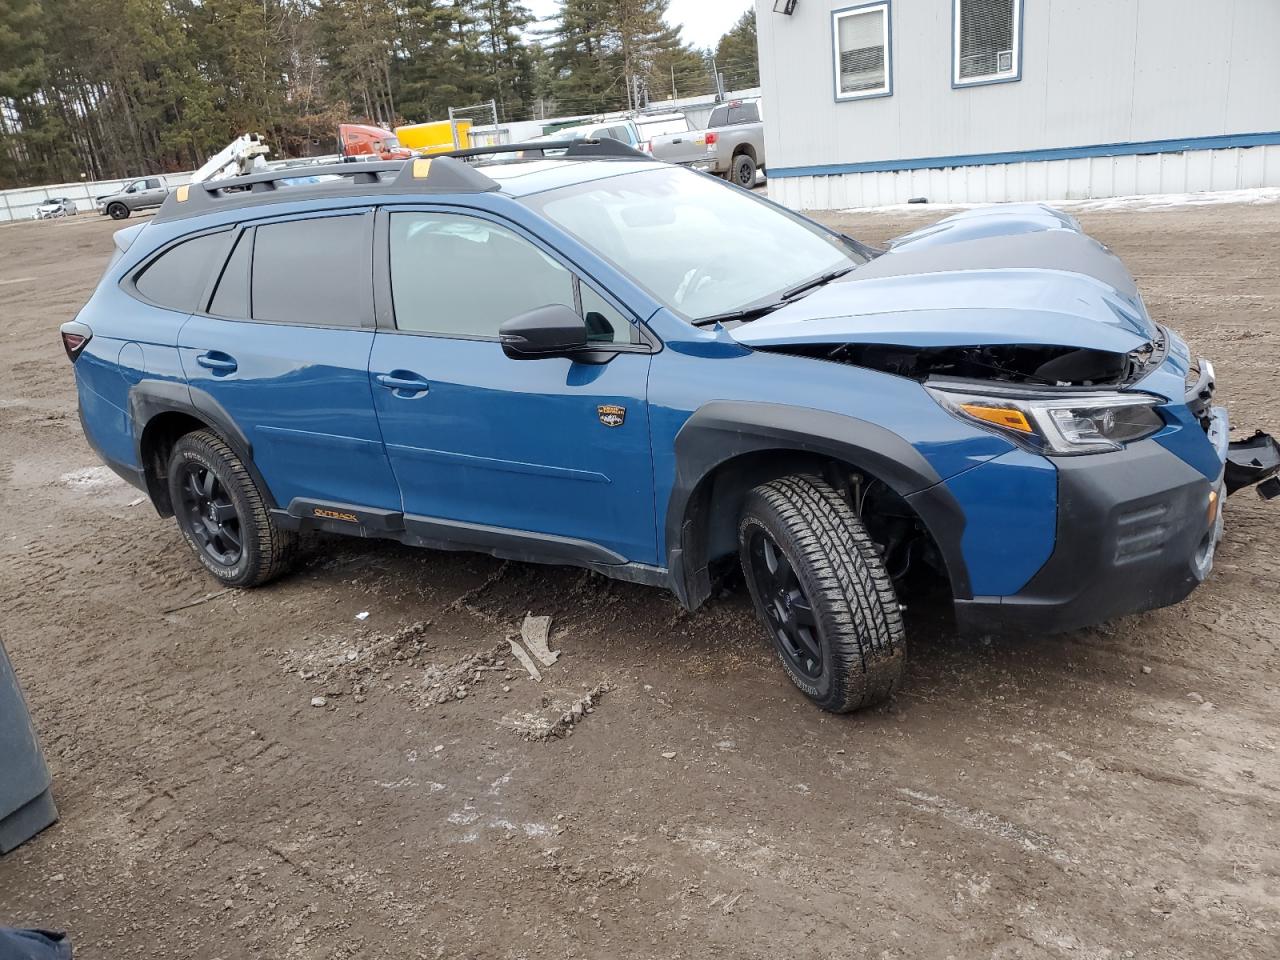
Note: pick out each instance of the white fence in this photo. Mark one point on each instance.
(21, 203)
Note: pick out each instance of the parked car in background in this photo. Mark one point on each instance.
(732, 146)
(141, 194)
(55, 208)
(660, 125)
(624, 131)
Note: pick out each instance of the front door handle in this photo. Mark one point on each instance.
(217, 362)
(403, 381)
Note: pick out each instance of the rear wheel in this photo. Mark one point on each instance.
(744, 171)
(118, 211)
(223, 515)
(822, 592)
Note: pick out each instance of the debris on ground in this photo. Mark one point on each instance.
(669, 755)
(561, 719)
(362, 615)
(454, 681)
(526, 661)
(346, 665)
(319, 701)
(536, 631)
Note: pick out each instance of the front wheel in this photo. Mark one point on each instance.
(118, 211)
(822, 592)
(223, 515)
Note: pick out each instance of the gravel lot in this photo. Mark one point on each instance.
(1044, 797)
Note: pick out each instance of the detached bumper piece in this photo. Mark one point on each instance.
(1255, 461)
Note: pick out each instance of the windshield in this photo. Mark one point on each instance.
(700, 247)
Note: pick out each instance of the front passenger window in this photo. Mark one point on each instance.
(458, 276)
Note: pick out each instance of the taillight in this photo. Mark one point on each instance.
(712, 138)
(75, 337)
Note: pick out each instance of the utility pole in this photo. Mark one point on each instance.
(674, 98)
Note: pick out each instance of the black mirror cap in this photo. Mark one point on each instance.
(555, 330)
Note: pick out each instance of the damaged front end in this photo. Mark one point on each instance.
(1023, 364)
(1254, 462)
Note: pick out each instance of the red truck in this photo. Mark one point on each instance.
(365, 140)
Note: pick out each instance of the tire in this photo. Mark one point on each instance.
(744, 171)
(223, 515)
(828, 604)
(118, 211)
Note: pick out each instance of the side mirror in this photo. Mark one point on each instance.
(552, 331)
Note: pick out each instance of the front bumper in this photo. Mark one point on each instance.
(1136, 530)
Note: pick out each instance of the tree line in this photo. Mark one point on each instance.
(98, 90)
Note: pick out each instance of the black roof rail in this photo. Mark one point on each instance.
(425, 175)
(575, 149)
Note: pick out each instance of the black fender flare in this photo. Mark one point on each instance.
(721, 430)
(149, 398)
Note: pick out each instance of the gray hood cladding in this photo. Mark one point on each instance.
(1063, 251)
(1053, 287)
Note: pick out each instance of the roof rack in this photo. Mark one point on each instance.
(574, 149)
(424, 175)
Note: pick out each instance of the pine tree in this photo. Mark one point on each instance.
(737, 56)
(616, 54)
(507, 60)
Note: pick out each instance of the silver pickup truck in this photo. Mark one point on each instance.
(732, 146)
(141, 194)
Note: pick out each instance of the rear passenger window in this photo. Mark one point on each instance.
(317, 272)
(178, 277)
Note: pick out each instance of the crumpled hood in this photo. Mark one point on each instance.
(1040, 282)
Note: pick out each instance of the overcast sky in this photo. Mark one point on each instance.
(703, 21)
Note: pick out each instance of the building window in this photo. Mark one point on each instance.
(862, 51)
(987, 47)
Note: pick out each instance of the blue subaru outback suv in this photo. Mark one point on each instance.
(606, 361)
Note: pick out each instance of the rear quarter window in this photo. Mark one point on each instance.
(176, 279)
(317, 272)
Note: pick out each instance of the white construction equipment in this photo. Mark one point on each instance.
(242, 155)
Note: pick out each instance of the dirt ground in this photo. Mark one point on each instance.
(1110, 793)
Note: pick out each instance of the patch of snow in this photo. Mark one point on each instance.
(1260, 196)
(90, 479)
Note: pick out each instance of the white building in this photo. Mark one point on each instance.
(984, 100)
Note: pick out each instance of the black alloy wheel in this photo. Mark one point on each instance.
(210, 515)
(787, 608)
(822, 593)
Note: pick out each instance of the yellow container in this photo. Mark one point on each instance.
(437, 137)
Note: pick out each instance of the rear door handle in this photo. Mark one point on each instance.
(217, 362)
(402, 380)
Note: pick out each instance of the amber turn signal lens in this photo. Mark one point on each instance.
(1005, 417)
(1213, 507)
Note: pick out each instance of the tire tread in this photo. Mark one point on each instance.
(855, 597)
(271, 549)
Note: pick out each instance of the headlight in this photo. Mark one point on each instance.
(1058, 426)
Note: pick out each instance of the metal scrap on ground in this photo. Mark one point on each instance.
(536, 631)
(526, 661)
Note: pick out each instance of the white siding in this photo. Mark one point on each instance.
(1089, 178)
(1094, 72)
